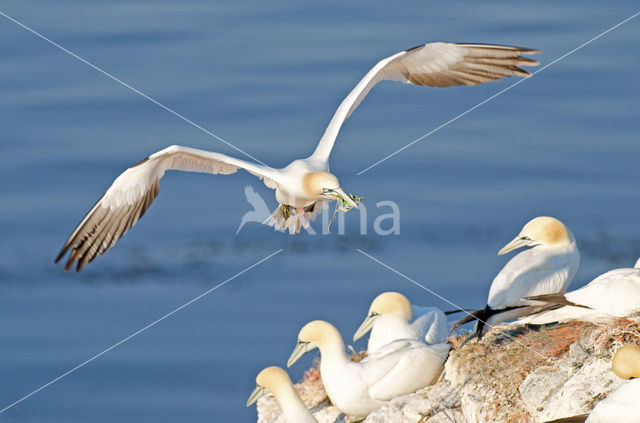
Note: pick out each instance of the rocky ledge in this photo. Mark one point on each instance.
(513, 375)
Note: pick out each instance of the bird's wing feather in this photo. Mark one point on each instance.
(416, 366)
(431, 324)
(557, 298)
(435, 65)
(132, 193)
(612, 294)
(523, 278)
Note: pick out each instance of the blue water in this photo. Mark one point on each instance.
(267, 77)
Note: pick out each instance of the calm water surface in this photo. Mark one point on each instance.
(267, 77)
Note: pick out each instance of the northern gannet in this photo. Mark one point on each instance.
(304, 185)
(391, 317)
(612, 294)
(358, 388)
(623, 403)
(546, 268)
(277, 381)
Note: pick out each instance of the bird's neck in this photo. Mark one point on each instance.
(332, 350)
(389, 322)
(292, 405)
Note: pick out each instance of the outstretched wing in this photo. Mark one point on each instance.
(435, 65)
(134, 190)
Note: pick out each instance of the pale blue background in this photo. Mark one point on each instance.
(267, 76)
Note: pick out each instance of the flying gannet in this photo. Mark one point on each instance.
(277, 381)
(546, 268)
(305, 185)
(358, 388)
(610, 295)
(623, 403)
(392, 317)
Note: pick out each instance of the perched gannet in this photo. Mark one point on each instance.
(612, 294)
(304, 185)
(546, 268)
(391, 317)
(623, 403)
(358, 388)
(277, 381)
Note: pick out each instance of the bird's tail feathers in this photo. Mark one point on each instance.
(292, 219)
(483, 316)
(470, 317)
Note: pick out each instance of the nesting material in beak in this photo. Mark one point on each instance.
(348, 202)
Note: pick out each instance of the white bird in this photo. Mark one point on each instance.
(546, 268)
(623, 403)
(392, 317)
(610, 295)
(304, 184)
(277, 381)
(357, 389)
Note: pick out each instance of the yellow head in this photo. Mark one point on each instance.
(390, 303)
(315, 334)
(542, 230)
(324, 186)
(626, 361)
(270, 379)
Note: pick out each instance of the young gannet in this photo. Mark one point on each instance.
(623, 403)
(277, 381)
(358, 388)
(546, 268)
(303, 185)
(612, 294)
(391, 317)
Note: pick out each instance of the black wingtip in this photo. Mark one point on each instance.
(470, 317)
(415, 48)
(573, 419)
(61, 254)
(458, 310)
(557, 298)
(482, 316)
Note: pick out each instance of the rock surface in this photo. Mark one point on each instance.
(512, 375)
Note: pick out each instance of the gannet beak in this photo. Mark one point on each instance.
(300, 350)
(365, 326)
(348, 199)
(257, 393)
(517, 242)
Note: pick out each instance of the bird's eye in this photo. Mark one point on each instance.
(525, 238)
(325, 190)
